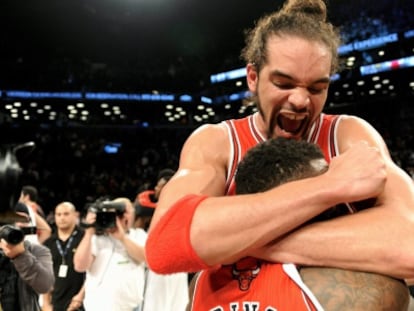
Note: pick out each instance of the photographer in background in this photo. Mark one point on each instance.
(28, 197)
(112, 255)
(26, 271)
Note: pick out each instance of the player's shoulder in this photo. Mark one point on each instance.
(351, 121)
(210, 128)
(353, 129)
(208, 136)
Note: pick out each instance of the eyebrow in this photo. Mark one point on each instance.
(278, 73)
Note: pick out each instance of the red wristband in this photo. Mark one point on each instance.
(168, 248)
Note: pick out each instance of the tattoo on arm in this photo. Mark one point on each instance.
(340, 290)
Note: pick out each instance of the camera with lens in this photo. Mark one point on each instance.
(106, 214)
(11, 234)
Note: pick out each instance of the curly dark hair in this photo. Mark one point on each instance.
(302, 18)
(277, 161)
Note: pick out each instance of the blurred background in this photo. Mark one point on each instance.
(109, 89)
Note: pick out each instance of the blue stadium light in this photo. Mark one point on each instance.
(89, 95)
(27, 94)
(206, 100)
(186, 98)
(409, 34)
(112, 148)
(345, 49)
(335, 77)
(128, 97)
(228, 75)
(368, 43)
(160, 97)
(239, 95)
(395, 64)
(375, 42)
(105, 96)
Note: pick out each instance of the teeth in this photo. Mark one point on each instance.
(294, 117)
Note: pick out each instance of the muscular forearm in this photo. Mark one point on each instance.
(221, 229)
(243, 223)
(339, 243)
(236, 225)
(83, 257)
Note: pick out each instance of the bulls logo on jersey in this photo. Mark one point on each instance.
(245, 271)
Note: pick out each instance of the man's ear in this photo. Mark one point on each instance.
(252, 77)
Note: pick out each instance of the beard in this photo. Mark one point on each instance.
(269, 129)
(255, 98)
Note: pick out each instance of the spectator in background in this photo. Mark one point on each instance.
(26, 270)
(28, 197)
(113, 259)
(146, 200)
(162, 292)
(68, 290)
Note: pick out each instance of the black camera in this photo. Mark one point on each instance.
(11, 234)
(106, 214)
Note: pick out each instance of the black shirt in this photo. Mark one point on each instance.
(65, 287)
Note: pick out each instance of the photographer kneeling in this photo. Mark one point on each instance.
(112, 255)
(26, 271)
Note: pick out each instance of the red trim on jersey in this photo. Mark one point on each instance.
(236, 155)
(243, 135)
(255, 132)
(323, 134)
(332, 145)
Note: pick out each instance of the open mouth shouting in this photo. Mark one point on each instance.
(290, 124)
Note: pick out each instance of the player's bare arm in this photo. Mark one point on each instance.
(378, 239)
(237, 224)
(343, 290)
